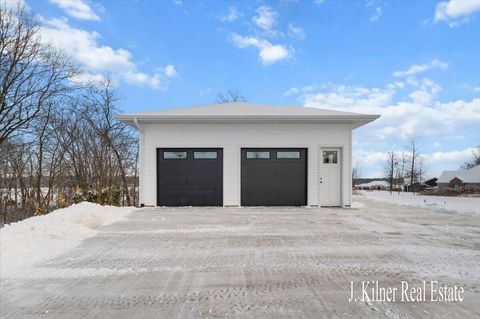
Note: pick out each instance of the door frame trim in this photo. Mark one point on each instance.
(339, 148)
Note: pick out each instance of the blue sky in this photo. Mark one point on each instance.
(416, 63)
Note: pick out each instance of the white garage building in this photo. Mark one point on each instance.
(244, 154)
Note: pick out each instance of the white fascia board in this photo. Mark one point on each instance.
(356, 121)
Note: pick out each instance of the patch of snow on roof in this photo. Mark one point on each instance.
(471, 175)
(374, 183)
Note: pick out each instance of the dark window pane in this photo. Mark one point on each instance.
(329, 157)
(258, 155)
(205, 155)
(288, 154)
(174, 155)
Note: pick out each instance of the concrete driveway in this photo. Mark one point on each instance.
(256, 263)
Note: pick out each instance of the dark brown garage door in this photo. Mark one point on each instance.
(189, 177)
(274, 177)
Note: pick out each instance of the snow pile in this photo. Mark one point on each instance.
(357, 205)
(40, 238)
(464, 205)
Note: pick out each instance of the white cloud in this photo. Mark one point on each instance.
(268, 53)
(456, 12)
(453, 156)
(295, 31)
(376, 14)
(319, 2)
(99, 59)
(86, 77)
(170, 71)
(266, 19)
(363, 159)
(419, 68)
(14, 4)
(416, 115)
(427, 90)
(303, 90)
(178, 2)
(374, 7)
(476, 89)
(346, 97)
(421, 97)
(77, 9)
(231, 16)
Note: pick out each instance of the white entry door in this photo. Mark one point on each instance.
(330, 177)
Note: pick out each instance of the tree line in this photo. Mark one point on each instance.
(59, 140)
(408, 167)
(474, 161)
(404, 168)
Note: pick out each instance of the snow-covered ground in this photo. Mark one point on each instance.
(464, 205)
(36, 239)
(276, 262)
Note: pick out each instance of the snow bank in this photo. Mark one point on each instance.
(40, 238)
(357, 205)
(445, 204)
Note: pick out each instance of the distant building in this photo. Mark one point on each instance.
(431, 182)
(373, 185)
(459, 178)
(416, 187)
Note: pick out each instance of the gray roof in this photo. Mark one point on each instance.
(447, 176)
(247, 112)
(374, 183)
(468, 176)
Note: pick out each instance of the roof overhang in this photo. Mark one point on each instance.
(137, 120)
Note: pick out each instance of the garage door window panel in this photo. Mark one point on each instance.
(258, 155)
(174, 155)
(205, 155)
(288, 155)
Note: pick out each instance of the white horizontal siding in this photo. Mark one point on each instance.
(233, 137)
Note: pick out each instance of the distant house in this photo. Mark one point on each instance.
(416, 187)
(431, 182)
(459, 178)
(373, 185)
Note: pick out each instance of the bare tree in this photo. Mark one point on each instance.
(100, 115)
(32, 73)
(420, 170)
(390, 168)
(400, 172)
(232, 95)
(59, 142)
(414, 153)
(49, 154)
(355, 175)
(15, 155)
(475, 160)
